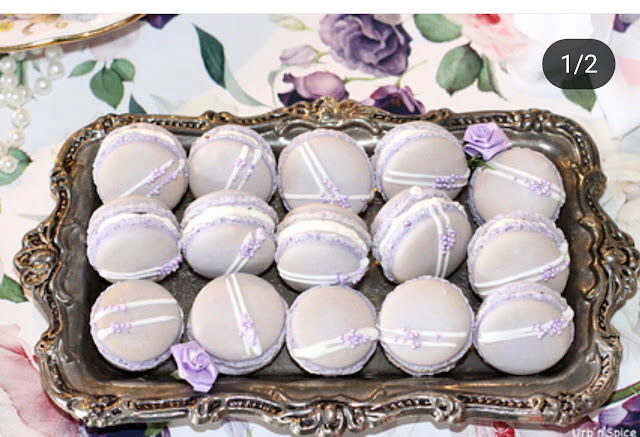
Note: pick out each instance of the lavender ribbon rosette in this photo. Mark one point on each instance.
(485, 139)
(194, 365)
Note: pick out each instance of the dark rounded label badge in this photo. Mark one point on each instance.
(578, 64)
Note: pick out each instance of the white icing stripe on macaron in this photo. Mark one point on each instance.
(538, 185)
(241, 164)
(351, 339)
(246, 328)
(116, 328)
(160, 174)
(426, 180)
(434, 205)
(220, 211)
(309, 226)
(246, 138)
(110, 309)
(325, 279)
(533, 275)
(418, 338)
(540, 330)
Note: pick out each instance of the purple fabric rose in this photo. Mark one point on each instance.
(299, 56)
(364, 43)
(194, 365)
(395, 100)
(486, 139)
(313, 86)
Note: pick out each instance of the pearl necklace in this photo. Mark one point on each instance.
(16, 95)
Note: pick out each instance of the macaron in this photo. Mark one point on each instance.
(232, 157)
(322, 244)
(331, 330)
(523, 328)
(239, 319)
(419, 153)
(425, 325)
(133, 238)
(141, 159)
(516, 179)
(134, 324)
(228, 231)
(516, 247)
(420, 231)
(325, 166)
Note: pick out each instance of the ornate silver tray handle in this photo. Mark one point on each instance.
(604, 273)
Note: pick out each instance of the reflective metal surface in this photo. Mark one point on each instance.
(604, 272)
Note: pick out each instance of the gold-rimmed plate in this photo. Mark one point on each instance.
(31, 31)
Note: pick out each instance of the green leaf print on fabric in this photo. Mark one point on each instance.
(459, 68)
(124, 69)
(23, 161)
(436, 27)
(11, 290)
(84, 68)
(107, 86)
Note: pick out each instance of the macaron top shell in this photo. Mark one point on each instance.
(226, 205)
(425, 325)
(141, 159)
(228, 231)
(325, 166)
(133, 238)
(517, 179)
(331, 330)
(238, 319)
(524, 328)
(134, 323)
(419, 153)
(322, 244)
(420, 232)
(514, 247)
(241, 158)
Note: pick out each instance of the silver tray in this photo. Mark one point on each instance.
(604, 271)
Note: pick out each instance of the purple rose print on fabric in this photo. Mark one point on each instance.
(159, 20)
(396, 100)
(310, 87)
(299, 56)
(622, 21)
(363, 43)
(486, 139)
(621, 418)
(194, 365)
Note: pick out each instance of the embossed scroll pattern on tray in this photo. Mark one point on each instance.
(613, 268)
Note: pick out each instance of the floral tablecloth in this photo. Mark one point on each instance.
(249, 64)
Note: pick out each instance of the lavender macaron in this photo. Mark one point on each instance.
(423, 154)
(228, 231)
(239, 319)
(320, 244)
(232, 157)
(134, 324)
(133, 238)
(516, 247)
(331, 330)
(425, 325)
(325, 166)
(523, 328)
(141, 159)
(516, 179)
(420, 232)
